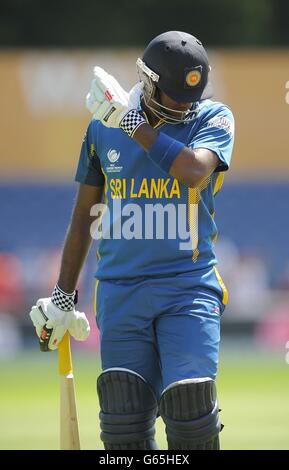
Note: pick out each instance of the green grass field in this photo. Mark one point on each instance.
(253, 393)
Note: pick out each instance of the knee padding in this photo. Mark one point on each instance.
(128, 410)
(190, 411)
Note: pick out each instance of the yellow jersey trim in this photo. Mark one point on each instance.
(219, 182)
(158, 124)
(222, 285)
(95, 296)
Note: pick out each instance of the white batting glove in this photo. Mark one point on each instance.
(53, 316)
(79, 326)
(112, 105)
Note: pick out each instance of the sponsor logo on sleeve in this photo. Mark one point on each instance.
(222, 122)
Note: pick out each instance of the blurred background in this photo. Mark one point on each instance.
(47, 52)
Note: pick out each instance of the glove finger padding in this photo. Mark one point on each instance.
(135, 95)
(107, 100)
(50, 322)
(52, 333)
(101, 78)
(58, 329)
(102, 110)
(96, 91)
(117, 90)
(109, 86)
(94, 97)
(56, 336)
(79, 326)
(37, 319)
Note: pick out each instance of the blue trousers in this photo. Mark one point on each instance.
(165, 329)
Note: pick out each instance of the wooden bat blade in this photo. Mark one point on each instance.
(69, 434)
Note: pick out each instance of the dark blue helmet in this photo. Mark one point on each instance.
(176, 63)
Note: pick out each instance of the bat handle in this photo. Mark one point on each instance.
(64, 355)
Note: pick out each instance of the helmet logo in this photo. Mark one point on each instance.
(193, 78)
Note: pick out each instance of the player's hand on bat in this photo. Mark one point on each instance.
(108, 101)
(51, 323)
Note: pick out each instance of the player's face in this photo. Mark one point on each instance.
(161, 107)
(170, 103)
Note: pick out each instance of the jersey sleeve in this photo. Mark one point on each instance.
(217, 134)
(89, 168)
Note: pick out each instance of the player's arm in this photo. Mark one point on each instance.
(78, 239)
(189, 166)
(52, 316)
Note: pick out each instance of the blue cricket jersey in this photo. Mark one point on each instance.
(155, 225)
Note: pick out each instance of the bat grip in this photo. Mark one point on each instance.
(64, 355)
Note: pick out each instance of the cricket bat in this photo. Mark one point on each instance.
(69, 434)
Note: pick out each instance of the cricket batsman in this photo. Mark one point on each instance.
(151, 162)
